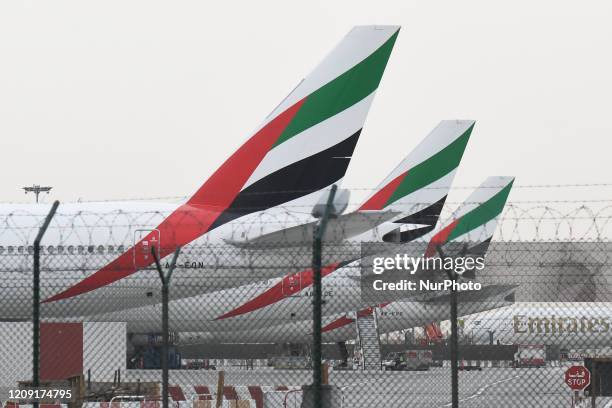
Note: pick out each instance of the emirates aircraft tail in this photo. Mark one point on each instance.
(306, 143)
(474, 222)
(302, 147)
(417, 188)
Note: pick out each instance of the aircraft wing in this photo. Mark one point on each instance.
(338, 229)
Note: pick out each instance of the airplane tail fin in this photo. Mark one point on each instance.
(474, 222)
(301, 148)
(418, 186)
(306, 143)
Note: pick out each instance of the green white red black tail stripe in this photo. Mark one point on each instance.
(309, 175)
(475, 221)
(317, 138)
(343, 84)
(316, 146)
(437, 156)
(418, 186)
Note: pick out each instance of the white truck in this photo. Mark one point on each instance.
(409, 360)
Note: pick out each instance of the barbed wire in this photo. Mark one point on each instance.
(519, 221)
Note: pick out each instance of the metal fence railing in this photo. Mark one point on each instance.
(233, 325)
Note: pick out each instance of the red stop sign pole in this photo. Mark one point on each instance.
(577, 378)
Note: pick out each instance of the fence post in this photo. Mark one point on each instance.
(36, 300)
(165, 326)
(220, 387)
(454, 351)
(317, 300)
(454, 341)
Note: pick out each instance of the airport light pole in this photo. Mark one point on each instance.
(317, 299)
(36, 301)
(165, 326)
(36, 189)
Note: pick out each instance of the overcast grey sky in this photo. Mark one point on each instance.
(120, 99)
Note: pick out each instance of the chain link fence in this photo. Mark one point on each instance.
(240, 315)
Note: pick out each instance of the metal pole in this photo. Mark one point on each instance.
(454, 351)
(36, 300)
(317, 299)
(454, 344)
(165, 326)
(220, 386)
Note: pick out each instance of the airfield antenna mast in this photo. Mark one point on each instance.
(36, 189)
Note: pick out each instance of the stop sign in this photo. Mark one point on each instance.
(577, 377)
